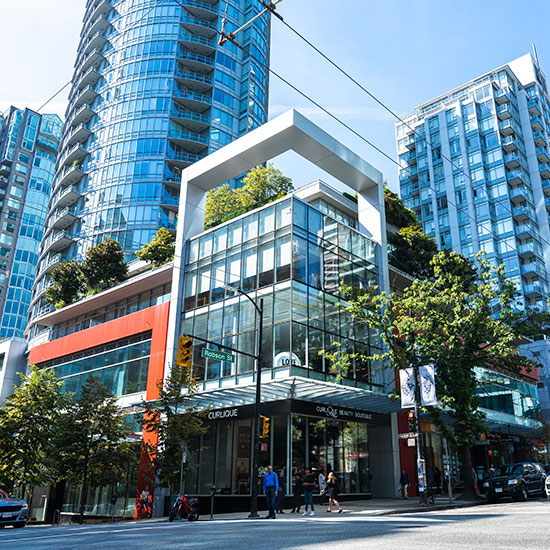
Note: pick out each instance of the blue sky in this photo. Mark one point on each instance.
(405, 52)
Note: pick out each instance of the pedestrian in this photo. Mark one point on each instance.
(271, 486)
(404, 481)
(297, 491)
(322, 480)
(282, 492)
(333, 490)
(309, 486)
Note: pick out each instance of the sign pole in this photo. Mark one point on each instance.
(256, 448)
(421, 462)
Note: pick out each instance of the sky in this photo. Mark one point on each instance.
(405, 52)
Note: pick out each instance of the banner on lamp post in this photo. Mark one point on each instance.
(427, 385)
(406, 378)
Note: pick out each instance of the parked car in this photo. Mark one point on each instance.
(518, 481)
(13, 511)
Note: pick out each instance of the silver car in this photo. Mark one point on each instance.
(13, 511)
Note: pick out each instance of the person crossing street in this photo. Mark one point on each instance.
(271, 487)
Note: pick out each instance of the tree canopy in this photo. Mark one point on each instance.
(104, 265)
(160, 250)
(447, 321)
(68, 284)
(260, 186)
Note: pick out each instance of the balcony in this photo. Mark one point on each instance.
(87, 95)
(546, 187)
(67, 197)
(507, 128)
(170, 202)
(534, 108)
(77, 153)
(540, 139)
(83, 115)
(195, 61)
(192, 99)
(99, 25)
(502, 96)
(70, 176)
(197, 122)
(544, 169)
(512, 160)
(89, 78)
(183, 160)
(542, 154)
(63, 218)
(547, 203)
(198, 44)
(103, 8)
(199, 25)
(51, 263)
(533, 290)
(524, 230)
(196, 142)
(537, 124)
(523, 213)
(201, 9)
(79, 135)
(530, 269)
(517, 177)
(59, 241)
(199, 82)
(527, 250)
(92, 60)
(97, 41)
(504, 112)
(509, 144)
(518, 194)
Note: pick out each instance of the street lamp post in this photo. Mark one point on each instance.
(256, 445)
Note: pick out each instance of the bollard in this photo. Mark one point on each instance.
(212, 494)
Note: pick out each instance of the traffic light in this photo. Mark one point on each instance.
(411, 417)
(265, 426)
(185, 348)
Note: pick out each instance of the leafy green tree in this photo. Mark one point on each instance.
(260, 186)
(160, 250)
(29, 422)
(67, 284)
(397, 214)
(176, 420)
(447, 321)
(411, 251)
(90, 448)
(104, 265)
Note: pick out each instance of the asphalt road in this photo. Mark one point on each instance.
(523, 526)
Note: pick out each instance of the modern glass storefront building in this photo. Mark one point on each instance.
(475, 170)
(152, 92)
(28, 147)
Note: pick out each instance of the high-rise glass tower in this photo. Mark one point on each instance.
(28, 148)
(476, 171)
(152, 92)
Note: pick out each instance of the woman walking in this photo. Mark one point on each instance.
(333, 491)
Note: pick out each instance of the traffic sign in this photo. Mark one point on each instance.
(218, 355)
(410, 435)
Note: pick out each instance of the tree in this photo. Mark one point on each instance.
(91, 449)
(28, 424)
(411, 251)
(160, 250)
(104, 265)
(67, 284)
(397, 214)
(260, 186)
(175, 420)
(447, 321)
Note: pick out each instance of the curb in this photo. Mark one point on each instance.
(431, 508)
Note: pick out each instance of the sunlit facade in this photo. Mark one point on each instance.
(152, 93)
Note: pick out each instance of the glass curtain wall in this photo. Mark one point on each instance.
(294, 257)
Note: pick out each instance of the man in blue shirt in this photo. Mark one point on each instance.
(271, 486)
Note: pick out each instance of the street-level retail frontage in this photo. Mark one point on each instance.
(295, 435)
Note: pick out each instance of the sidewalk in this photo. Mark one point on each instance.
(370, 507)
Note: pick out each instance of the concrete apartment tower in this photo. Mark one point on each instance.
(28, 147)
(494, 193)
(152, 93)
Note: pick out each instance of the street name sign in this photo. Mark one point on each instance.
(409, 435)
(218, 355)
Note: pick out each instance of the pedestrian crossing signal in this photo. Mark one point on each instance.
(185, 348)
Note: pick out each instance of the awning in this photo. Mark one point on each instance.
(304, 389)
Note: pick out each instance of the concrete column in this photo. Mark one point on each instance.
(384, 459)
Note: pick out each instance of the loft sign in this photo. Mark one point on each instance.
(335, 412)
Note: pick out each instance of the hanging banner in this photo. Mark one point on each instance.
(427, 386)
(406, 377)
